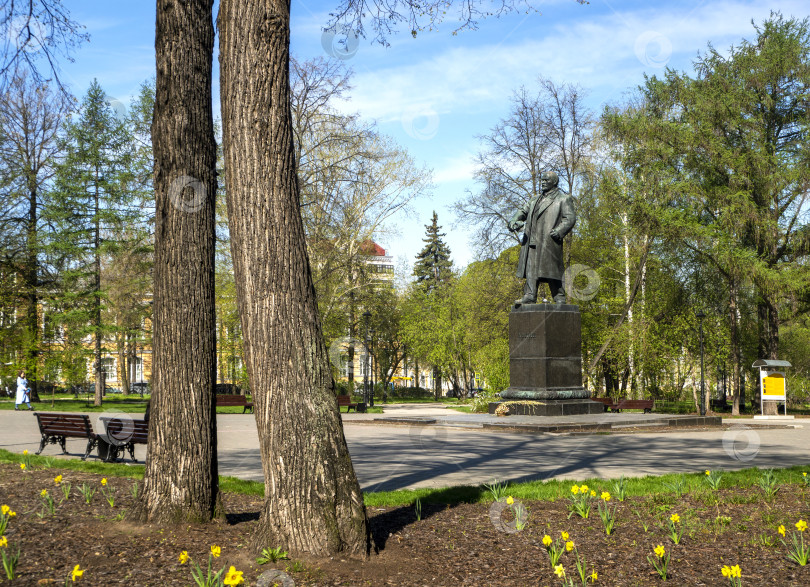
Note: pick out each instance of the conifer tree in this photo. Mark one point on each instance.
(433, 265)
(433, 268)
(91, 205)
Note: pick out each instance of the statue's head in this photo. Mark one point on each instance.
(548, 180)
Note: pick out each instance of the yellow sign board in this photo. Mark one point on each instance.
(774, 385)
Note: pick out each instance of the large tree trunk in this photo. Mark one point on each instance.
(313, 501)
(768, 342)
(31, 284)
(736, 350)
(181, 479)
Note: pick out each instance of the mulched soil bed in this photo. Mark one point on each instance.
(467, 544)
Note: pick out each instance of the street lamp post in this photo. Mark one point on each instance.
(371, 395)
(366, 317)
(700, 316)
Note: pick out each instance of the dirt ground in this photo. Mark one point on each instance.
(466, 544)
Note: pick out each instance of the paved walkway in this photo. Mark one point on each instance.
(457, 450)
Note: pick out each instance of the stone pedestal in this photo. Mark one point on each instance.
(545, 359)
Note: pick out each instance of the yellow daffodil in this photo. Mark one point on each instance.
(593, 493)
(735, 571)
(583, 489)
(547, 540)
(5, 509)
(57, 479)
(22, 466)
(569, 546)
(183, 557)
(43, 493)
(575, 490)
(659, 551)
(559, 571)
(12, 514)
(77, 573)
(104, 481)
(3, 541)
(594, 576)
(675, 518)
(804, 474)
(726, 571)
(605, 495)
(25, 452)
(708, 472)
(564, 535)
(216, 551)
(233, 577)
(801, 525)
(509, 500)
(781, 529)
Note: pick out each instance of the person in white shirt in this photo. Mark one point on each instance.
(23, 392)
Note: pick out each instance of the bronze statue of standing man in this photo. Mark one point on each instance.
(545, 220)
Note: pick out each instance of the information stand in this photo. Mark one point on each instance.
(772, 382)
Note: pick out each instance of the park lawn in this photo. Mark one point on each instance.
(377, 409)
(128, 404)
(550, 490)
(462, 532)
(68, 403)
(464, 409)
(423, 400)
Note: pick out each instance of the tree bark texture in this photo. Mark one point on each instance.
(181, 478)
(313, 501)
(768, 343)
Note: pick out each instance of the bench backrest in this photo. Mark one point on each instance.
(231, 400)
(64, 424)
(631, 404)
(344, 400)
(123, 430)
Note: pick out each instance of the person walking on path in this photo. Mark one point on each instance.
(23, 392)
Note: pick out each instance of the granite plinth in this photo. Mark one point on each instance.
(553, 408)
(545, 353)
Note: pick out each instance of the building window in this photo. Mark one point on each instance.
(108, 367)
(136, 368)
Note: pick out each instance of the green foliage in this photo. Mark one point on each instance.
(433, 265)
(497, 491)
(716, 165)
(10, 561)
(271, 555)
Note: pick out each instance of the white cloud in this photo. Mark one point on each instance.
(601, 53)
(455, 169)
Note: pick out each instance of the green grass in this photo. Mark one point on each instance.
(369, 410)
(422, 400)
(465, 409)
(67, 403)
(531, 490)
(226, 484)
(121, 403)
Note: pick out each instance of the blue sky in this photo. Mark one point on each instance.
(435, 93)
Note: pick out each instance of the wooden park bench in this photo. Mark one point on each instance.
(345, 400)
(605, 400)
(120, 434)
(56, 428)
(231, 400)
(626, 404)
(635, 404)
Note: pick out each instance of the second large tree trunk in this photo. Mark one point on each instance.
(181, 478)
(313, 501)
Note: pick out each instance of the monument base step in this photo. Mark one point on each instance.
(567, 407)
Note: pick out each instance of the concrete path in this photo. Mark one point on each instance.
(458, 451)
